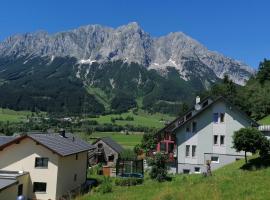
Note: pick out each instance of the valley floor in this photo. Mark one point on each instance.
(229, 182)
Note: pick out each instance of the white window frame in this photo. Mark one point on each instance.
(215, 161)
(223, 140)
(214, 140)
(187, 156)
(197, 172)
(195, 153)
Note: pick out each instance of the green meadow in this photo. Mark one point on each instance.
(127, 141)
(13, 116)
(141, 119)
(230, 182)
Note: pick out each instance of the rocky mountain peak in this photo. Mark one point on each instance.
(129, 43)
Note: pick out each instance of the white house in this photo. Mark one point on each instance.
(204, 133)
(42, 166)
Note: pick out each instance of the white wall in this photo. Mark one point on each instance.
(21, 157)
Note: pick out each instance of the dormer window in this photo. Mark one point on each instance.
(188, 115)
(205, 104)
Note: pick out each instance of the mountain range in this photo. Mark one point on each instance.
(95, 68)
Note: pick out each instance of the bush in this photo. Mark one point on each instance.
(159, 167)
(95, 170)
(128, 181)
(106, 186)
(128, 154)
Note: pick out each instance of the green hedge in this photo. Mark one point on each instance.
(128, 181)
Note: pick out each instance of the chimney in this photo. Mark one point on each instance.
(62, 132)
(198, 100)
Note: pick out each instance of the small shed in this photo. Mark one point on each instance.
(107, 151)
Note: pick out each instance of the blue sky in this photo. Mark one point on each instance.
(236, 28)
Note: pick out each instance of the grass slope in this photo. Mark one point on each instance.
(13, 116)
(229, 182)
(265, 120)
(141, 119)
(127, 141)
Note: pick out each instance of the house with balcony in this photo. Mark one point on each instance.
(202, 134)
(42, 165)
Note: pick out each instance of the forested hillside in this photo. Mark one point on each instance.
(61, 85)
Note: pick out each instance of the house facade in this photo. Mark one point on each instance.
(55, 164)
(107, 151)
(205, 133)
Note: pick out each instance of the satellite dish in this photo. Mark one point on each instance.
(197, 107)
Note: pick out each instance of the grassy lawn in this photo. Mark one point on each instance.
(13, 116)
(265, 121)
(142, 119)
(127, 141)
(229, 182)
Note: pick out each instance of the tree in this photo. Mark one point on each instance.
(149, 141)
(264, 71)
(159, 168)
(250, 140)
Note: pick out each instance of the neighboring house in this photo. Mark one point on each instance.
(51, 165)
(265, 129)
(203, 133)
(107, 151)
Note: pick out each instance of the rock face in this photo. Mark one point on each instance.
(129, 43)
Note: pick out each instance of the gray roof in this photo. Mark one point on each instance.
(180, 121)
(62, 145)
(4, 183)
(114, 145)
(6, 139)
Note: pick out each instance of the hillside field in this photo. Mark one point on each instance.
(143, 118)
(230, 182)
(127, 141)
(13, 116)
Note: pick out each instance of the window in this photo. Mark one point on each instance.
(222, 117)
(20, 190)
(214, 159)
(194, 150)
(222, 139)
(215, 117)
(197, 170)
(39, 187)
(171, 147)
(205, 103)
(187, 150)
(186, 171)
(189, 115)
(100, 145)
(162, 146)
(41, 162)
(194, 127)
(111, 158)
(76, 156)
(75, 177)
(215, 139)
